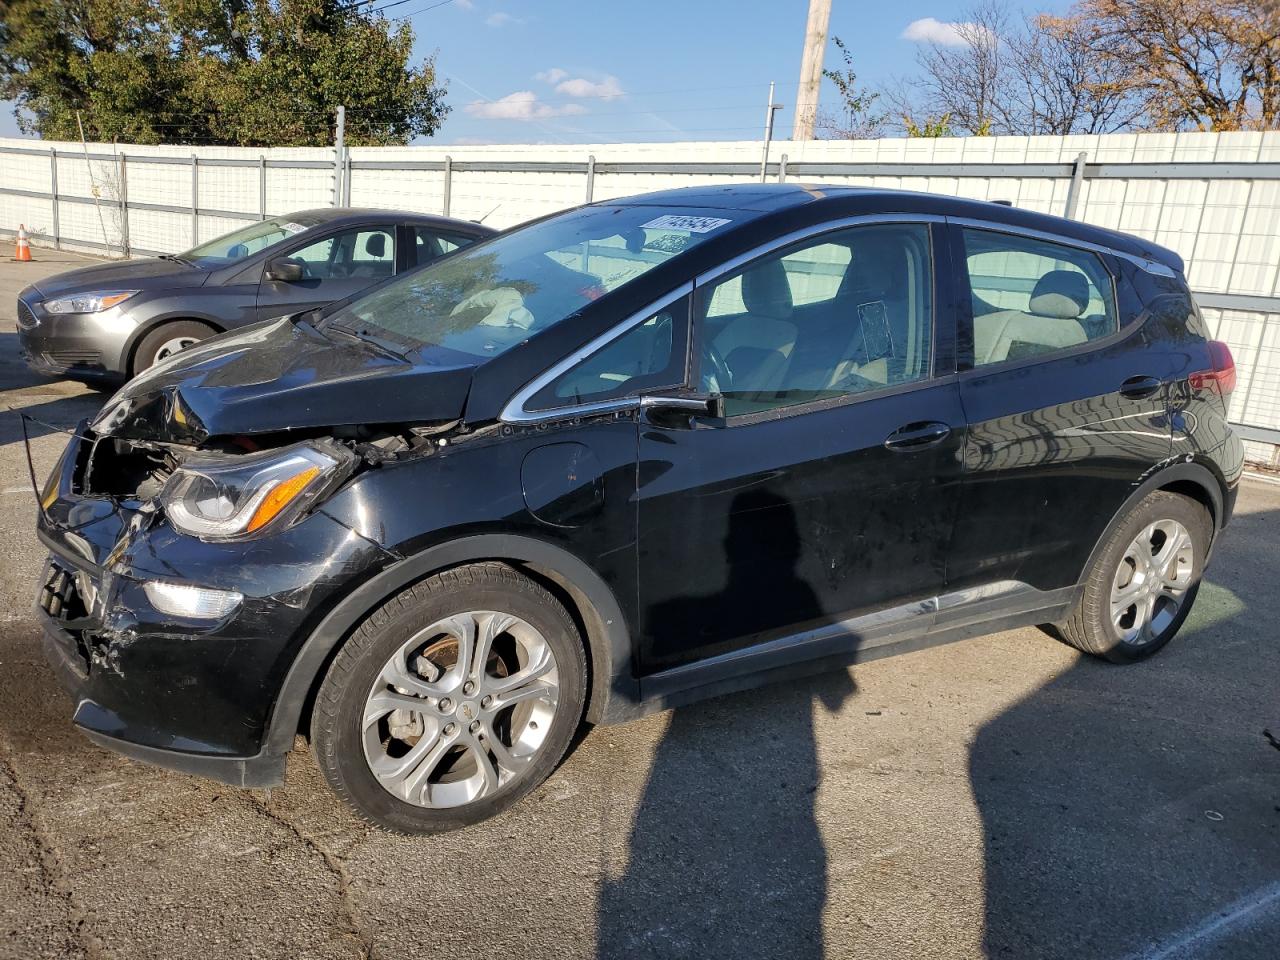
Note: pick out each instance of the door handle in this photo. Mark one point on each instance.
(916, 436)
(1140, 387)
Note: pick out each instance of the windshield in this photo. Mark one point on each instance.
(486, 299)
(244, 242)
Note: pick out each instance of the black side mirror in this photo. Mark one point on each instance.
(285, 270)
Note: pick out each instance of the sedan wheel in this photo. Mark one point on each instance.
(1151, 581)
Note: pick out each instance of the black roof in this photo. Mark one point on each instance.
(355, 215)
(824, 199)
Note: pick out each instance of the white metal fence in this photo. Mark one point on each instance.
(1215, 198)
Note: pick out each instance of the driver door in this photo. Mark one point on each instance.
(829, 490)
(334, 268)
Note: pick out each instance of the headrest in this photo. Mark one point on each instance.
(875, 272)
(1063, 294)
(766, 290)
(376, 245)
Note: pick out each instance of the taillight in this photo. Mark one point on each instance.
(1221, 379)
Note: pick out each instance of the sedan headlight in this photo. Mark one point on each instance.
(94, 302)
(228, 498)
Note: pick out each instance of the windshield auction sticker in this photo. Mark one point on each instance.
(691, 224)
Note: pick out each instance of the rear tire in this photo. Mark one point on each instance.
(1144, 581)
(418, 735)
(166, 340)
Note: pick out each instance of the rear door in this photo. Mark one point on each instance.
(335, 266)
(1065, 400)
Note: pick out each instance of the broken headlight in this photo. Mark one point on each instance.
(226, 498)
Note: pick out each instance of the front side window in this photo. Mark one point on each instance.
(648, 356)
(487, 298)
(427, 244)
(367, 253)
(1033, 297)
(842, 314)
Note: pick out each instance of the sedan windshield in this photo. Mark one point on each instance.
(486, 299)
(245, 242)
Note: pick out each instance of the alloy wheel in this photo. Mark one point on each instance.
(461, 709)
(170, 347)
(1151, 581)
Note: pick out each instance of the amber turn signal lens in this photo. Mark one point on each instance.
(280, 497)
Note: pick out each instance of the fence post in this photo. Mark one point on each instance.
(346, 177)
(195, 200)
(448, 184)
(125, 246)
(262, 186)
(338, 136)
(591, 178)
(53, 186)
(1077, 180)
(782, 169)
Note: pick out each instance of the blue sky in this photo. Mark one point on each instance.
(532, 71)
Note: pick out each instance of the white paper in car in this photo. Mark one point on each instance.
(505, 305)
(691, 224)
(291, 228)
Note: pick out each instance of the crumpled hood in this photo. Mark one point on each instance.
(279, 376)
(124, 275)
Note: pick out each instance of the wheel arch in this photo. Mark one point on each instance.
(1189, 478)
(613, 691)
(140, 333)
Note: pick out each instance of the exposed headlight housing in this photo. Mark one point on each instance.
(221, 498)
(94, 302)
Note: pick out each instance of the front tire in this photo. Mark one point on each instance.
(1144, 581)
(451, 701)
(166, 340)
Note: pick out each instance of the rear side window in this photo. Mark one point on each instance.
(1033, 297)
(427, 244)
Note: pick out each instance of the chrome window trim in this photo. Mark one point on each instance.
(996, 226)
(515, 413)
(806, 233)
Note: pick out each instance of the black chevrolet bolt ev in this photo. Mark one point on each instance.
(624, 457)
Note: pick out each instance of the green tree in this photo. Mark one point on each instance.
(239, 72)
(858, 119)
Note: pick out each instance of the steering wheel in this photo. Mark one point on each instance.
(714, 374)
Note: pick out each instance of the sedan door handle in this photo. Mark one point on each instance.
(916, 436)
(1140, 387)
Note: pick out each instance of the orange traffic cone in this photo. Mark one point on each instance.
(23, 252)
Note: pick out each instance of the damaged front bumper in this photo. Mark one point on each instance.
(190, 694)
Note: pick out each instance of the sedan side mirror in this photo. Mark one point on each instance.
(285, 270)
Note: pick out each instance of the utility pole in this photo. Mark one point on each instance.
(770, 110)
(815, 44)
(338, 135)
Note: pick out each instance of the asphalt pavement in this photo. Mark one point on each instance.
(1001, 797)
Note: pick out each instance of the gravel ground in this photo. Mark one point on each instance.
(1001, 797)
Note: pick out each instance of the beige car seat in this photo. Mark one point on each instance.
(757, 346)
(1058, 299)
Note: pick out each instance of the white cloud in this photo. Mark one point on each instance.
(501, 19)
(552, 76)
(521, 105)
(582, 87)
(465, 4)
(945, 34)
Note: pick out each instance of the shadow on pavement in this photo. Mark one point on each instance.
(1125, 807)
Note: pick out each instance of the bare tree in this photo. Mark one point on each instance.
(1199, 64)
(968, 80)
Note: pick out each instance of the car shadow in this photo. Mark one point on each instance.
(1127, 809)
(725, 855)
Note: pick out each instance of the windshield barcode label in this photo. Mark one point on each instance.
(691, 224)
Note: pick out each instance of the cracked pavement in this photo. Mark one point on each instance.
(997, 797)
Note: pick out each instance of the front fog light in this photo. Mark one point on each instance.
(194, 603)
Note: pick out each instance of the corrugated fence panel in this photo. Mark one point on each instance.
(1219, 214)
